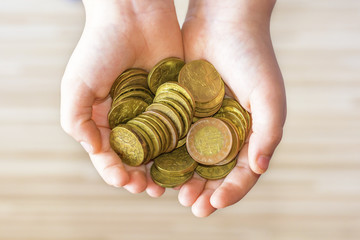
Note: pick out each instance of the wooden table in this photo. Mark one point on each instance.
(50, 190)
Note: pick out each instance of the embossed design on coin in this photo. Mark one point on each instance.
(125, 110)
(209, 141)
(202, 79)
(164, 71)
(128, 144)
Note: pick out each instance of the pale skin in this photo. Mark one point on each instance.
(232, 34)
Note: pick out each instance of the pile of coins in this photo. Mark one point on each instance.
(188, 108)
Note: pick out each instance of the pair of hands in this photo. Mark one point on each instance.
(232, 34)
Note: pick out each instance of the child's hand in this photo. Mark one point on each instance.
(234, 36)
(117, 35)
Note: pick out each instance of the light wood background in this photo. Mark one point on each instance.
(50, 190)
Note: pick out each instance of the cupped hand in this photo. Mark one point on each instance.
(234, 36)
(117, 35)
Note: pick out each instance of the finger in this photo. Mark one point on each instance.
(137, 179)
(152, 189)
(191, 190)
(108, 163)
(202, 206)
(268, 106)
(237, 184)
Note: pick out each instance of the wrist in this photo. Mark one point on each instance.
(239, 12)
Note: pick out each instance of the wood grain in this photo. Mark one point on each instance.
(50, 190)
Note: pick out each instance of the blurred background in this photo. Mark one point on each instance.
(50, 190)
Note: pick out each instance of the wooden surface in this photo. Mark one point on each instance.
(50, 190)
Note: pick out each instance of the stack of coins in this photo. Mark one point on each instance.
(234, 113)
(159, 128)
(131, 96)
(205, 84)
(173, 169)
(173, 97)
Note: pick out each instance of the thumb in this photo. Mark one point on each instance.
(268, 106)
(76, 114)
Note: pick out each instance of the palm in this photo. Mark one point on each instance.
(244, 60)
(133, 39)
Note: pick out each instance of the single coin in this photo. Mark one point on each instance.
(171, 113)
(215, 172)
(159, 129)
(209, 141)
(237, 122)
(125, 74)
(128, 144)
(151, 132)
(236, 143)
(181, 142)
(167, 181)
(148, 141)
(173, 134)
(180, 88)
(166, 70)
(182, 112)
(178, 97)
(125, 110)
(175, 163)
(202, 80)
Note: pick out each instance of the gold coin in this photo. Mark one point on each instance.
(150, 120)
(164, 71)
(175, 163)
(164, 180)
(209, 141)
(181, 142)
(178, 87)
(151, 132)
(176, 96)
(182, 112)
(125, 110)
(237, 122)
(236, 143)
(173, 134)
(125, 74)
(215, 172)
(171, 113)
(129, 145)
(202, 80)
(148, 141)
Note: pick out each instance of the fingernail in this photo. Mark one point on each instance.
(88, 148)
(263, 162)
